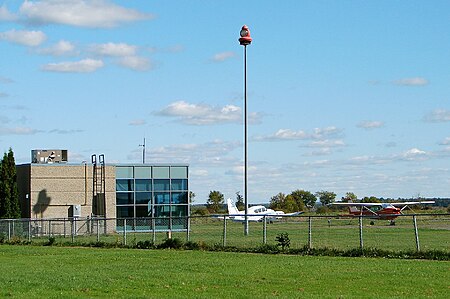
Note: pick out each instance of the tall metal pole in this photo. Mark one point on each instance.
(245, 143)
(245, 40)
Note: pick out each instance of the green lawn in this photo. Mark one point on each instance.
(58, 272)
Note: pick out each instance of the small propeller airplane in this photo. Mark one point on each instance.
(255, 213)
(383, 211)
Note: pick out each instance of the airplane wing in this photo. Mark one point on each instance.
(357, 204)
(293, 214)
(410, 203)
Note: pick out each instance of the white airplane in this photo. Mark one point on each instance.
(255, 213)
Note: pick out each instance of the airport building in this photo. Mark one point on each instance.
(50, 188)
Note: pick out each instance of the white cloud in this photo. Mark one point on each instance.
(368, 125)
(203, 114)
(288, 134)
(438, 115)
(446, 141)
(413, 154)
(417, 81)
(82, 66)
(18, 131)
(113, 49)
(65, 132)
(5, 80)
(219, 57)
(215, 153)
(23, 37)
(81, 13)
(59, 49)
(135, 63)
(6, 15)
(137, 122)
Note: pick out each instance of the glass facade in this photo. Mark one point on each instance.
(158, 193)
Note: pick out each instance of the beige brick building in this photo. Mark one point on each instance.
(51, 190)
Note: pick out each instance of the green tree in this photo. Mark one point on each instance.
(349, 196)
(326, 197)
(304, 198)
(240, 204)
(9, 194)
(277, 202)
(370, 199)
(215, 201)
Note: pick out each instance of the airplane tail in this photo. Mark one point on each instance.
(232, 209)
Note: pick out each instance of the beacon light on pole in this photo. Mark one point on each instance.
(245, 38)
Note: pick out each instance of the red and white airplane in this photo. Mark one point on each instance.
(375, 210)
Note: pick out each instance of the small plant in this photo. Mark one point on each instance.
(50, 241)
(174, 243)
(147, 244)
(283, 240)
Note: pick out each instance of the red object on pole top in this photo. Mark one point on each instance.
(245, 38)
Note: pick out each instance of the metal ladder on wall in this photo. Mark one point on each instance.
(99, 186)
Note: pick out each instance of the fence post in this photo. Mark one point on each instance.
(265, 230)
(9, 230)
(188, 228)
(29, 230)
(49, 228)
(416, 232)
(361, 241)
(224, 239)
(72, 229)
(154, 230)
(124, 231)
(98, 230)
(309, 232)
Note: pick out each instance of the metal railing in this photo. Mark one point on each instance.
(410, 232)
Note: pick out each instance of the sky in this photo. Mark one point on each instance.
(343, 96)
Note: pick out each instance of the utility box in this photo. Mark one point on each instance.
(75, 211)
(48, 156)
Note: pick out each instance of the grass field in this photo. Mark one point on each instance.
(58, 272)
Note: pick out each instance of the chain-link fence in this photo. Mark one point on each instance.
(418, 231)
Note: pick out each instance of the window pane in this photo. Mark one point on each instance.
(124, 185)
(143, 185)
(178, 172)
(180, 185)
(179, 211)
(162, 198)
(161, 185)
(142, 211)
(124, 198)
(162, 211)
(143, 197)
(160, 172)
(179, 197)
(143, 172)
(125, 212)
(124, 172)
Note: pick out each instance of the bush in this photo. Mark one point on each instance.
(51, 241)
(174, 243)
(147, 244)
(268, 249)
(283, 240)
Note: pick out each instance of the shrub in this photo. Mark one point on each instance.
(268, 249)
(147, 244)
(50, 242)
(174, 243)
(283, 240)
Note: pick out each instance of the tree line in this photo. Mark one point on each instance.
(297, 200)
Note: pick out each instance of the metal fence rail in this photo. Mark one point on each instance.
(411, 232)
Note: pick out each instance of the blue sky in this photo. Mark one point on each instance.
(343, 96)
